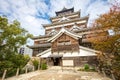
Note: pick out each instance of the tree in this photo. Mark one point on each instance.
(12, 36)
(108, 21)
(109, 46)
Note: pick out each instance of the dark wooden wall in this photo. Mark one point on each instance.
(65, 43)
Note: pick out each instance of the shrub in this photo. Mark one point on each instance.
(81, 69)
(11, 72)
(35, 63)
(43, 66)
(92, 68)
(86, 67)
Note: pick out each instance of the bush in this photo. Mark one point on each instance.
(86, 67)
(35, 63)
(1, 73)
(43, 66)
(11, 72)
(81, 69)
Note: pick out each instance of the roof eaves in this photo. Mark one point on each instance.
(92, 50)
(43, 52)
(65, 15)
(82, 18)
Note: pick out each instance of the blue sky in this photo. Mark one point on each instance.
(33, 13)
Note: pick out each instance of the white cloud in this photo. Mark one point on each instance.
(25, 13)
(80, 5)
(112, 1)
(96, 9)
(56, 5)
(30, 13)
(34, 24)
(4, 7)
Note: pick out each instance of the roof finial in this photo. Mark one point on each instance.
(64, 8)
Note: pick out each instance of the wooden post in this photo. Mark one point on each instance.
(113, 77)
(103, 72)
(33, 68)
(17, 73)
(97, 69)
(4, 74)
(26, 70)
(74, 64)
(62, 64)
(47, 61)
(78, 50)
(39, 64)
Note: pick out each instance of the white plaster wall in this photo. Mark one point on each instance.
(68, 62)
(84, 52)
(69, 54)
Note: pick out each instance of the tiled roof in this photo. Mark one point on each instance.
(40, 45)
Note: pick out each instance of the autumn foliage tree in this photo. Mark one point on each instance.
(108, 21)
(110, 45)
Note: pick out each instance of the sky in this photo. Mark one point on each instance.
(33, 13)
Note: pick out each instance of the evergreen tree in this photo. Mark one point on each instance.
(12, 36)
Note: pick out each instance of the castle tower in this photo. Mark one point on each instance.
(63, 39)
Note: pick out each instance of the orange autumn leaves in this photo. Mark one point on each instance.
(110, 20)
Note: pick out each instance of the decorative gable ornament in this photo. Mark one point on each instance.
(53, 32)
(74, 28)
(64, 19)
(64, 31)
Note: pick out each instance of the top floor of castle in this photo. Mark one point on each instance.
(65, 14)
(68, 19)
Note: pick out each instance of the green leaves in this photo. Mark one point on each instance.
(6, 65)
(13, 36)
(35, 62)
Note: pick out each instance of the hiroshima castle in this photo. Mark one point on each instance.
(66, 41)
